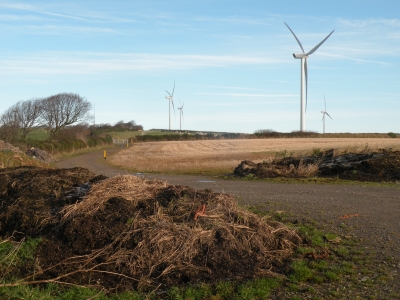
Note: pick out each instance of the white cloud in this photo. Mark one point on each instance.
(358, 60)
(249, 95)
(35, 9)
(88, 63)
(13, 17)
(369, 23)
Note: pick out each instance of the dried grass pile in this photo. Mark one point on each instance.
(129, 233)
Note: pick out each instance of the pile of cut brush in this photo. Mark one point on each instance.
(126, 233)
(371, 166)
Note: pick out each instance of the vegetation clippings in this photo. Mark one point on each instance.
(368, 166)
(126, 233)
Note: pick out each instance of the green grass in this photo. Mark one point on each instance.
(12, 253)
(254, 289)
(38, 135)
(16, 255)
(301, 271)
(53, 291)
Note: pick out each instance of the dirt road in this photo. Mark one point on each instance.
(374, 210)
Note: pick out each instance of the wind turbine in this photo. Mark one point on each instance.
(303, 85)
(170, 99)
(324, 112)
(180, 115)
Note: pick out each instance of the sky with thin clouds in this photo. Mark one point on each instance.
(231, 61)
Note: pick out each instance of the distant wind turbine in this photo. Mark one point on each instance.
(170, 99)
(324, 112)
(181, 115)
(303, 85)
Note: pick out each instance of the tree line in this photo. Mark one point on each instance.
(54, 113)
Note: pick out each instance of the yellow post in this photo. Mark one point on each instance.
(105, 154)
(127, 145)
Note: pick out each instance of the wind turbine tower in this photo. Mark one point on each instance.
(324, 112)
(303, 84)
(170, 98)
(181, 115)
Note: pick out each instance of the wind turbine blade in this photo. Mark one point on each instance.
(329, 116)
(295, 37)
(325, 102)
(316, 47)
(173, 105)
(168, 92)
(173, 89)
(306, 74)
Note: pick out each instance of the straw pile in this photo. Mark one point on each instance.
(159, 234)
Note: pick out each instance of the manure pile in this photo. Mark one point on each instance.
(373, 166)
(125, 233)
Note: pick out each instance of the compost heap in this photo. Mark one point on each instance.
(374, 166)
(125, 233)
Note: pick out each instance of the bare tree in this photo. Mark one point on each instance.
(21, 118)
(62, 110)
(9, 126)
(28, 113)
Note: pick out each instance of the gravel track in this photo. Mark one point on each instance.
(377, 225)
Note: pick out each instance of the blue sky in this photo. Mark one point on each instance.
(231, 60)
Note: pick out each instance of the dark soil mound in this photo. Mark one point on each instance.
(127, 233)
(31, 197)
(40, 155)
(382, 166)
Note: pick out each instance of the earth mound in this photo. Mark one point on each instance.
(125, 233)
(40, 155)
(374, 166)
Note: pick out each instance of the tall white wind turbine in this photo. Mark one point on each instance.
(170, 98)
(303, 85)
(324, 112)
(181, 115)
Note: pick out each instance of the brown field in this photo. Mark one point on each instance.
(222, 156)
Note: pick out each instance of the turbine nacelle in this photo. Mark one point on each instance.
(300, 55)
